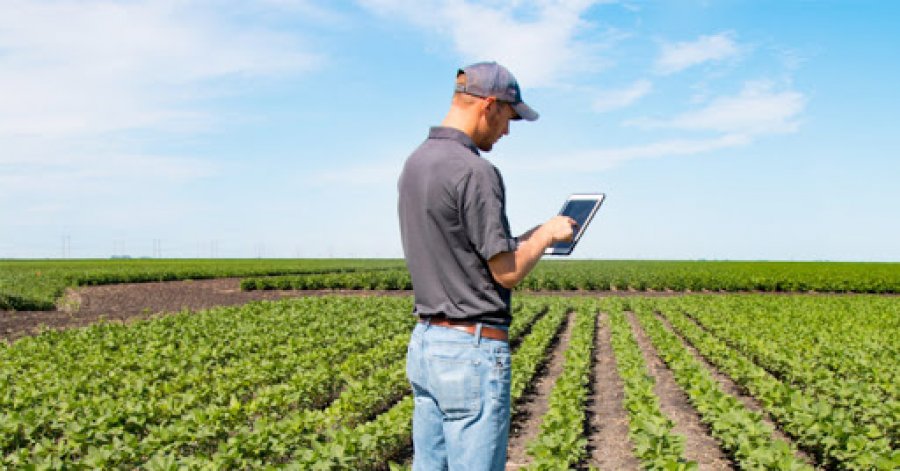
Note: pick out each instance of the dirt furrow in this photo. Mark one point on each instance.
(734, 389)
(608, 444)
(526, 422)
(699, 445)
(127, 302)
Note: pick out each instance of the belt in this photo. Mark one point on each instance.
(470, 327)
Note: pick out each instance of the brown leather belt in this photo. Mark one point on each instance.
(487, 331)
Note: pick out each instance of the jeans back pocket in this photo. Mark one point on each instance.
(456, 384)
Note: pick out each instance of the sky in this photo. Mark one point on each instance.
(741, 130)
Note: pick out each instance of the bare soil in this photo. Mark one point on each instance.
(526, 423)
(129, 302)
(609, 446)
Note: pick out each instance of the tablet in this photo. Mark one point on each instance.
(581, 207)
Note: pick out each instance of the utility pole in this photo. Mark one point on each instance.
(66, 246)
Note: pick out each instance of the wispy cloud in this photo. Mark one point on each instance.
(676, 57)
(82, 68)
(538, 41)
(608, 100)
(91, 88)
(758, 109)
(597, 160)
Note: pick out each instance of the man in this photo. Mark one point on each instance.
(464, 263)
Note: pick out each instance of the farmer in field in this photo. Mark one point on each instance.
(464, 262)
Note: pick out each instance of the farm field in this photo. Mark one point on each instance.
(697, 381)
(38, 284)
(634, 275)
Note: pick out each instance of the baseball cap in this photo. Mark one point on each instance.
(486, 79)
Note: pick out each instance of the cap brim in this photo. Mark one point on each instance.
(525, 112)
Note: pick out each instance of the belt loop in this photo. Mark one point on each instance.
(478, 327)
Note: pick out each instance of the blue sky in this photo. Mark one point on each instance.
(277, 128)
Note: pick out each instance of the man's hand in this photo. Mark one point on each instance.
(509, 268)
(560, 229)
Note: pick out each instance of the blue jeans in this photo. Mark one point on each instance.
(461, 389)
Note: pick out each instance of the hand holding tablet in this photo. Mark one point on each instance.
(580, 207)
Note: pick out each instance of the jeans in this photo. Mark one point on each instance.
(461, 389)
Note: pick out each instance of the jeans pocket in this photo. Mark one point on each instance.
(456, 384)
(501, 373)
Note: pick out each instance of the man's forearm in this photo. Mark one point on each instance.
(510, 268)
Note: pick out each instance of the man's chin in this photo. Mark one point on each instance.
(486, 147)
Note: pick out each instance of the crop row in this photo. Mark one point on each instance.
(319, 383)
(655, 444)
(113, 394)
(375, 280)
(830, 433)
(369, 445)
(639, 276)
(715, 276)
(37, 284)
(849, 368)
(740, 432)
(341, 436)
(561, 443)
(266, 383)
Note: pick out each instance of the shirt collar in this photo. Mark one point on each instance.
(443, 132)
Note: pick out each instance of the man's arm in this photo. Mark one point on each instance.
(510, 268)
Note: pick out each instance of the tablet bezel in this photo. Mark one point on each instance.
(598, 199)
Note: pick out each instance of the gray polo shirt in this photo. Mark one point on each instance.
(452, 221)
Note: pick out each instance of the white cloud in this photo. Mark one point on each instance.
(603, 159)
(733, 121)
(90, 88)
(679, 56)
(92, 67)
(537, 41)
(758, 109)
(614, 99)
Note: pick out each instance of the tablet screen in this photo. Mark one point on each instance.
(581, 210)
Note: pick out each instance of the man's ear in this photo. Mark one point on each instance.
(489, 103)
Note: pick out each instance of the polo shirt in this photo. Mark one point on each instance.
(452, 208)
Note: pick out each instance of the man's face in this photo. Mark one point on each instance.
(497, 115)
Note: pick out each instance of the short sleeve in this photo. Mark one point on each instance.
(483, 212)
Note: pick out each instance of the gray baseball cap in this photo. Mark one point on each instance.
(486, 79)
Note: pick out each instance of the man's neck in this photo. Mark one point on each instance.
(461, 120)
